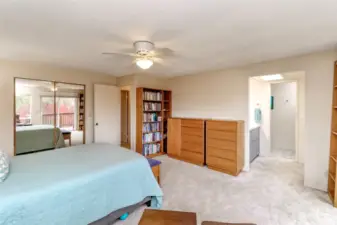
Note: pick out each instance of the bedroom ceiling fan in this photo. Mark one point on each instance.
(144, 54)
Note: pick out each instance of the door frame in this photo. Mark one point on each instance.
(128, 144)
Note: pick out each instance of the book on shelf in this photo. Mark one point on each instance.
(151, 117)
(151, 137)
(152, 96)
(151, 127)
(149, 149)
(148, 106)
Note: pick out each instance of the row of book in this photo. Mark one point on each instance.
(152, 96)
(150, 137)
(152, 106)
(151, 127)
(151, 117)
(149, 149)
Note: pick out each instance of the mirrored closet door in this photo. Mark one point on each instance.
(48, 115)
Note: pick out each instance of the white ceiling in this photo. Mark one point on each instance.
(206, 34)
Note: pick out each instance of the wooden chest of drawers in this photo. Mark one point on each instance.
(186, 139)
(218, 144)
(225, 146)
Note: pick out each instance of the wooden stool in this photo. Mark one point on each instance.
(219, 223)
(155, 166)
(67, 136)
(161, 217)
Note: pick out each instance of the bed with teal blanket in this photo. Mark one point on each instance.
(37, 137)
(75, 185)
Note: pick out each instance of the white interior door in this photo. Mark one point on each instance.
(107, 116)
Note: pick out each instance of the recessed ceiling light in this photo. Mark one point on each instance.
(272, 77)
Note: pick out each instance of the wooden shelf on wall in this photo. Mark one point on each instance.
(155, 104)
(332, 188)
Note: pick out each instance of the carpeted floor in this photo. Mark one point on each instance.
(272, 193)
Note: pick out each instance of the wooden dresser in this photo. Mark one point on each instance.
(219, 144)
(225, 146)
(186, 139)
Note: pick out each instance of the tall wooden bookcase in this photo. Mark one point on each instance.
(332, 187)
(154, 107)
(81, 111)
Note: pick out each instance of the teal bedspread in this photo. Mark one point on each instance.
(37, 138)
(75, 185)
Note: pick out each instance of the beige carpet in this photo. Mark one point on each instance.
(272, 193)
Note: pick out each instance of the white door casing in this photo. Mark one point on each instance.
(107, 114)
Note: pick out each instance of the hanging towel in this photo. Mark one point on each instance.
(257, 115)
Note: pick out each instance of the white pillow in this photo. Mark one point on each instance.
(4, 165)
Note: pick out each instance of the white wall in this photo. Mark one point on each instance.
(259, 93)
(283, 116)
(9, 70)
(300, 121)
(224, 94)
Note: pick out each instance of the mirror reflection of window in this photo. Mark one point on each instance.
(70, 112)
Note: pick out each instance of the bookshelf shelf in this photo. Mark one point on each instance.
(145, 100)
(332, 188)
(153, 109)
(150, 132)
(151, 142)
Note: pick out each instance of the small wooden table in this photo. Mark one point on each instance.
(160, 217)
(67, 136)
(219, 223)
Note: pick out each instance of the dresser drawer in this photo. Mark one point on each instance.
(223, 135)
(222, 164)
(221, 153)
(192, 131)
(192, 147)
(221, 144)
(192, 157)
(229, 126)
(192, 123)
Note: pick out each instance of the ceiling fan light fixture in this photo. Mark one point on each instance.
(144, 63)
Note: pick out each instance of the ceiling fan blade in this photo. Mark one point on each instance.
(119, 54)
(158, 60)
(164, 52)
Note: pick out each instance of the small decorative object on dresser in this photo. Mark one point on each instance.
(4, 165)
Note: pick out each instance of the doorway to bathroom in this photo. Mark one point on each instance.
(276, 116)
